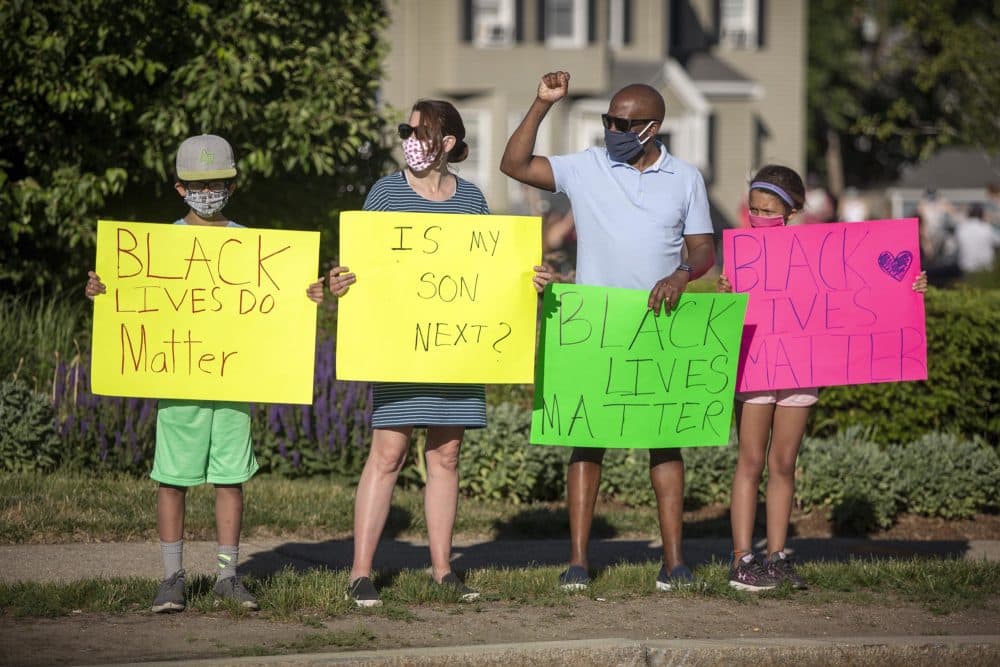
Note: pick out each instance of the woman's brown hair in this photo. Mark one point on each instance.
(439, 120)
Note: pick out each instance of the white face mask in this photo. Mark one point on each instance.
(207, 203)
(418, 155)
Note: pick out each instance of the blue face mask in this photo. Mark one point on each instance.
(624, 146)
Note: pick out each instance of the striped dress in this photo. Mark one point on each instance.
(425, 404)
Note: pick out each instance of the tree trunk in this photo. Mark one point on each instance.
(834, 163)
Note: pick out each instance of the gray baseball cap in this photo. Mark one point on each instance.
(205, 157)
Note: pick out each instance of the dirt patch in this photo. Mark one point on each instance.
(93, 639)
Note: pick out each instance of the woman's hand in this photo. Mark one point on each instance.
(94, 286)
(315, 290)
(920, 284)
(723, 284)
(543, 276)
(341, 280)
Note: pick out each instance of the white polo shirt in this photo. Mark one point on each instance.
(630, 225)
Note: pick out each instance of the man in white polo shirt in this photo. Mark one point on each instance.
(636, 208)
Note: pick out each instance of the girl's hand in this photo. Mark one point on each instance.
(94, 285)
(315, 290)
(341, 280)
(723, 284)
(920, 284)
(543, 276)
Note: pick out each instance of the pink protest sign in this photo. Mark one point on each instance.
(830, 304)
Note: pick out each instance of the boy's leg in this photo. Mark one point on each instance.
(441, 494)
(666, 473)
(789, 427)
(753, 424)
(374, 494)
(583, 478)
(228, 521)
(170, 503)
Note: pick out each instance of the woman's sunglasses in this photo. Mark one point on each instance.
(623, 124)
(406, 130)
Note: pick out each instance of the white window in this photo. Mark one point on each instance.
(738, 23)
(565, 23)
(616, 24)
(476, 167)
(493, 22)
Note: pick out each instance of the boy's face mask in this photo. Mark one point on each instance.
(207, 203)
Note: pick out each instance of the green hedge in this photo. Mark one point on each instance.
(963, 385)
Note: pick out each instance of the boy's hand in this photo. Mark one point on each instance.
(94, 286)
(341, 280)
(920, 284)
(543, 276)
(723, 284)
(315, 290)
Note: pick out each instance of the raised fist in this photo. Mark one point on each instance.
(553, 86)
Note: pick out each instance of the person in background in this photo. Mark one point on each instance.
(976, 240)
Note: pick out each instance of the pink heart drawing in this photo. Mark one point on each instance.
(895, 265)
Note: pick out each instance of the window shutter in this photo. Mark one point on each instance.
(591, 21)
(466, 20)
(761, 21)
(541, 20)
(626, 21)
(518, 20)
(717, 21)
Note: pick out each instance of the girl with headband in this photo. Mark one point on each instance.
(776, 417)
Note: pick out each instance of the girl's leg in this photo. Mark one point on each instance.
(170, 512)
(228, 513)
(789, 426)
(753, 424)
(441, 494)
(374, 494)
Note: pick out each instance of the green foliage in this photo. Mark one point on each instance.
(963, 385)
(946, 476)
(36, 331)
(28, 439)
(852, 476)
(497, 463)
(98, 94)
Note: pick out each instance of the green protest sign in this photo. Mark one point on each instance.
(613, 374)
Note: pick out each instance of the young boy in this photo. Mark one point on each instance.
(202, 441)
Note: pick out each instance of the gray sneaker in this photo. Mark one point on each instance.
(363, 592)
(170, 596)
(231, 588)
(780, 566)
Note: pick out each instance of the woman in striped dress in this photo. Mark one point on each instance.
(432, 139)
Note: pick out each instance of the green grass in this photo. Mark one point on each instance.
(49, 508)
(941, 586)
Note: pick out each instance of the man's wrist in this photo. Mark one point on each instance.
(685, 269)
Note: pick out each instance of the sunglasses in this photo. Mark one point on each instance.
(206, 185)
(623, 124)
(406, 130)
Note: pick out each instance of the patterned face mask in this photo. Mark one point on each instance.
(417, 154)
(207, 203)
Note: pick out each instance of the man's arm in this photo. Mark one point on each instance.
(519, 161)
(700, 257)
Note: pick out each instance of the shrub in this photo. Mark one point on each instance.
(497, 462)
(963, 386)
(852, 477)
(28, 439)
(946, 476)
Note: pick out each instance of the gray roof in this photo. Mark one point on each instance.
(953, 168)
(624, 72)
(706, 67)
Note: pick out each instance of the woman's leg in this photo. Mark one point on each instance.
(441, 494)
(753, 424)
(789, 426)
(374, 494)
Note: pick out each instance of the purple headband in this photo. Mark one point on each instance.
(762, 185)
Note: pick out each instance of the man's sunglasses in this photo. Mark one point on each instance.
(623, 124)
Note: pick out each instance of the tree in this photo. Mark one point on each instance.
(98, 94)
(939, 77)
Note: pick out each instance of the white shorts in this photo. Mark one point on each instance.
(802, 397)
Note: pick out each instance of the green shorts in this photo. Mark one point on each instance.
(203, 441)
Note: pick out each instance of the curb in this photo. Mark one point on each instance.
(877, 651)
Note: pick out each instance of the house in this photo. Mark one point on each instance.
(960, 176)
(732, 73)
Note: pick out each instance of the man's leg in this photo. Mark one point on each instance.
(582, 481)
(666, 472)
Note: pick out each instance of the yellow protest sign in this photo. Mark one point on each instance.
(217, 313)
(438, 297)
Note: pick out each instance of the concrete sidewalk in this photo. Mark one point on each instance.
(69, 562)
(881, 651)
